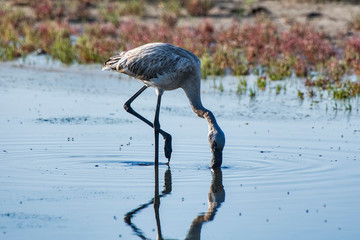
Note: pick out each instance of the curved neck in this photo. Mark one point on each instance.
(193, 95)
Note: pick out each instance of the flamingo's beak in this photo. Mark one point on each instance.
(105, 68)
(216, 158)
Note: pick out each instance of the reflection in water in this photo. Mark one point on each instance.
(216, 196)
(155, 201)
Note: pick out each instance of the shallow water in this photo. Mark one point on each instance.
(74, 164)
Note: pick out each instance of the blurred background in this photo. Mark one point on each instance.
(272, 38)
(281, 77)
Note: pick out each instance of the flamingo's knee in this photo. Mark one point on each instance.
(127, 107)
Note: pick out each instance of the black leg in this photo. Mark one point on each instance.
(166, 136)
(157, 130)
(157, 203)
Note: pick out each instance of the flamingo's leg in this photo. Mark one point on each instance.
(157, 129)
(166, 136)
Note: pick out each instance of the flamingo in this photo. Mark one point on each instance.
(167, 67)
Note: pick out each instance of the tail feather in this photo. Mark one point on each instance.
(113, 63)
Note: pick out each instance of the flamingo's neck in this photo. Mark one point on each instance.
(193, 94)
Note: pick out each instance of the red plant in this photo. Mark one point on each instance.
(300, 67)
(196, 39)
(47, 9)
(48, 31)
(259, 40)
(352, 53)
(335, 69)
(303, 41)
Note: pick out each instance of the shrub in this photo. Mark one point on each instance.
(209, 67)
(91, 50)
(62, 49)
(352, 53)
(47, 9)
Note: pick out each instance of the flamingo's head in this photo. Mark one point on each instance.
(217, 143)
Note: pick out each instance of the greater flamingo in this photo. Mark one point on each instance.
(167, 67)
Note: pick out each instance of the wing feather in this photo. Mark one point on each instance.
(151, 60)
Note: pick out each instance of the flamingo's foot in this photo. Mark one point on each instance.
(167, 147)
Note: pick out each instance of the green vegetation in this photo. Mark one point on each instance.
(300, 95)
(62, 49)
(221, 87)
(242, 86)
(261, 83)
(89, 31)
(252, 93)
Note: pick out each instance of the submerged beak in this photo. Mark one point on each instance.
(217, 157)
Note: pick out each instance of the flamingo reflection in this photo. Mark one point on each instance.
(155, 201)
(216, 197)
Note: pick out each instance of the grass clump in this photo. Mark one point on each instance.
(110, 12)
(209, 67)
(241, 87)
(345, 90)
(278, 89)
(221, 87)
(261, 83)
(9, 42)
(252, 93)
(89, 51)
(63, 50)
(10, 34)
(278, 70)
(300, 95)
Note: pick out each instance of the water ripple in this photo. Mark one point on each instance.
(82, 120)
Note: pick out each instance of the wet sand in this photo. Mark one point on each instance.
(74, 163)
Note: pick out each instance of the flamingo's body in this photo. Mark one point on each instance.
(167, 67)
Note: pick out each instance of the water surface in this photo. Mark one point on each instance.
(74, 164)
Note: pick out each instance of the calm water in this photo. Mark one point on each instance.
(74, 164)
